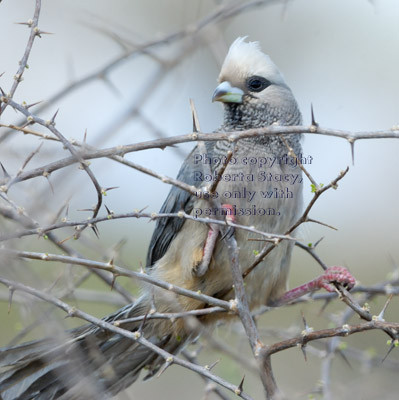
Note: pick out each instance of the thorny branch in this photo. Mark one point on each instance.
(79, 225)
(34, 32)
(121, 150)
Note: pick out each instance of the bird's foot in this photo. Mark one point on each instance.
(201, 267)
(330, 276)
(335, 274)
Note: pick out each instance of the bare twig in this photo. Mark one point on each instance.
(18, 77)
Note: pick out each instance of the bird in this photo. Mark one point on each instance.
(92, 363)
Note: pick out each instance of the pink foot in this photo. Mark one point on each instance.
(210, 242)
(335, 274)
(330, 276)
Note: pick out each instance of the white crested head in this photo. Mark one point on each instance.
(246, 59)
(253, 90)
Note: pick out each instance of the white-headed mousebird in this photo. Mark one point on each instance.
(255, 189)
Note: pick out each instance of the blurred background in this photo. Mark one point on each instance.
(341, 56)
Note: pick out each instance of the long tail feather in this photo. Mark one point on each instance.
(90, 363)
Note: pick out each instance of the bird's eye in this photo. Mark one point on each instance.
(257, 83)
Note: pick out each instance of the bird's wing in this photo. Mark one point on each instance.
(167, 228)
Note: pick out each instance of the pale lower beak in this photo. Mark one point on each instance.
(227, 93)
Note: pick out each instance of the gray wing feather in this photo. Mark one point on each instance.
(167, 228)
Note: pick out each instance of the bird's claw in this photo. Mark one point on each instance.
(228, 233)
(336, 274)
(200, 268)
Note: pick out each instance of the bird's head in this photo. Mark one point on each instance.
(251, 86)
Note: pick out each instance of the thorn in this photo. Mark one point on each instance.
(240, 387)
(315, 245)
(2, 74)
(40, 32)
(5, 173)
(10, 295)
(55, 282)
(314, 123)
(31, 155)
(304, 333)
(141, 327)
(196, 125)
(85, 136)
(95, 230)
(52, 120)
(381, 314)
(109, 212)
(305, 324)
(168, 363)
(303, 348)
(140, 211)
(141, 268)
(111, 188)
(59, 212)
(391, 347)
(29, 23)
(49, 182)
(33, 104)
(153, 307)
(352, 144)
(307, 329)
(164, 147)
(342, 354)
(71, 313)
(23, 126)
(66, 239)
(114, 276)
(118, 246)
(209, 367)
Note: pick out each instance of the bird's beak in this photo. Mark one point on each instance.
(227, 93)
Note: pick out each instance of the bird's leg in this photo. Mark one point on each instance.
(331, 275)
(201, 268)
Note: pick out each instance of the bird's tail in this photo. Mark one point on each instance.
(88, 362)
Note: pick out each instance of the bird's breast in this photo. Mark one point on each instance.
(262, 189)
